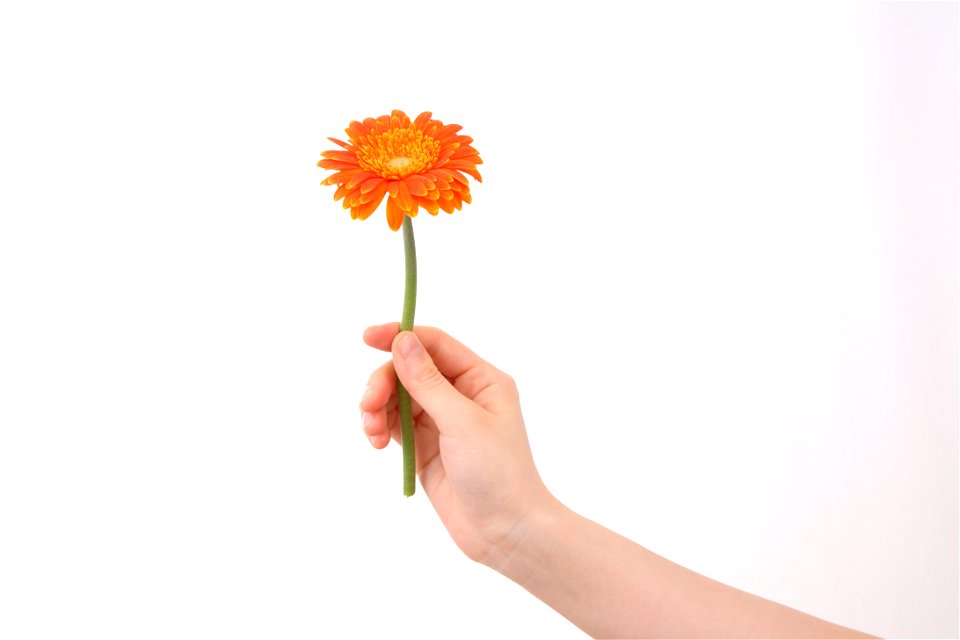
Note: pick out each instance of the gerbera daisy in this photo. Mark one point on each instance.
(417, 164)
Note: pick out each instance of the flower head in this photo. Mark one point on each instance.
(417, 164)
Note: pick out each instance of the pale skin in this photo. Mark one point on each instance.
(475, 465)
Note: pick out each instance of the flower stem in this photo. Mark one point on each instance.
(406, 324)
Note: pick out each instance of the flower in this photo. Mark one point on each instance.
(418, 164)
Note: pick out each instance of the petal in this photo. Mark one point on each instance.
(358, 178)
(422, 120)
(339, 142)
(430, 205)
(445, 155)
(394, 214)
(466, 167)
(447, 205)
(352, 198)
(342, 156)
(357, 130)
(447, 131)
(336, 164)
(341, 191)
(452, 175)
(370, 184)
(399, 119)
(403, 198)
(464, 152)
(341, 176)
(367, 208)
(417, 188)
(377, 194)
(442, 183)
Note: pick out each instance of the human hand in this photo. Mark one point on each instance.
(473, 457)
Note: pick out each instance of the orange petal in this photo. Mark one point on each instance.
(370, 184)
(445, 155)
(341, 191)
(448, 130)
(336, 164)
(422, 120)
(461, 164)
(342, 156)
(357, 130)
(352, 198)
(339, 142)
(403, 198)
(376, 194)
(394, 188)
(464, 152)
(447, 205)
(452, 175)
(400, 118)
(358, 178)
(430, 205)
(341, 176)
(394, 214)
(365, 209)
(443, 184)
(417, 188)
(466, 167)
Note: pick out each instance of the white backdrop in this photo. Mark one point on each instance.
(716, 245)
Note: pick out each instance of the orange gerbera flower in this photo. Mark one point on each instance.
(418, 164)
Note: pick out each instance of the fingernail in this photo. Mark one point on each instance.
(366, 419)
(409, 346)
(366, 393)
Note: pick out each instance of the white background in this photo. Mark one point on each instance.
(716, 244)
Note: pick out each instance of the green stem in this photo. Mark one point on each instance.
(406, 324)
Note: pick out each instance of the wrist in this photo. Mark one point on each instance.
(521, 545)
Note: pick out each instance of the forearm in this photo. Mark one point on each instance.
(613, 588)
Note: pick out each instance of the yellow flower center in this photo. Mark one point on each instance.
(397, 153)
(397, 165)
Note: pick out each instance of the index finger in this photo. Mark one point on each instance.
(452, 358)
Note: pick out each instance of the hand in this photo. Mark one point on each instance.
(473, 457)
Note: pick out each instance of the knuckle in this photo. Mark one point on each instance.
(430, 378)
(508, 383)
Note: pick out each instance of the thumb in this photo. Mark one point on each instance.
(432, 391)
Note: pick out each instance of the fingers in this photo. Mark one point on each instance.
(451, 357)
(375, 403)
(451, 411)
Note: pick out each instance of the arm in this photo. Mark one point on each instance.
(475, 465)
(612, 588)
